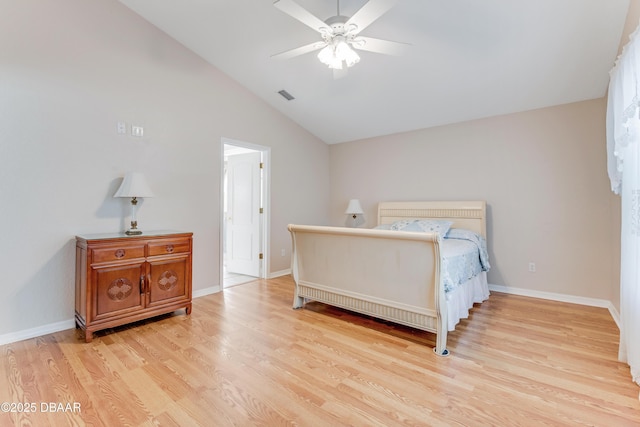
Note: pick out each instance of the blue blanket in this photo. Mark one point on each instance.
(464, 256)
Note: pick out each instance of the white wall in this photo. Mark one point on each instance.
(542, 173)
(69, 71)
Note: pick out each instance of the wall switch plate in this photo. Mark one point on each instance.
(122, 128)
(532, 267)
(137, 131)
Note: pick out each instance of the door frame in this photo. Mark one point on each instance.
(265, 218)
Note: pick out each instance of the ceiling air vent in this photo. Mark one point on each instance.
(286, 95)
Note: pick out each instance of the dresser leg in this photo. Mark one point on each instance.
(88, 336)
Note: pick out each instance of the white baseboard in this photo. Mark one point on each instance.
(206, 291)
(71, 323)
(614, 314)
(36, 332)
(573, 299)
(280, 273)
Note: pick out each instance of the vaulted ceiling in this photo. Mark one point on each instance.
(468, 59)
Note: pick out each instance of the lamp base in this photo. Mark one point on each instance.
(133, 231)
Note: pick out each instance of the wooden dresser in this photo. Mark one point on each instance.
(122, 279)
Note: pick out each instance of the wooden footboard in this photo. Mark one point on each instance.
(390, 275)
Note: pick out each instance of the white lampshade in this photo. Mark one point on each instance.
(336, 52)
(134, 185)
(354, 208)
(346, 54)
(326, 55)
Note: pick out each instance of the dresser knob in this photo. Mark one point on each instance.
(119, 253)
(170, 248)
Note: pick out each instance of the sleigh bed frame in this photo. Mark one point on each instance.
(391, 275)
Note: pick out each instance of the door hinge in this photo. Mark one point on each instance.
(261, 210)
(261, 165)
(260, 256)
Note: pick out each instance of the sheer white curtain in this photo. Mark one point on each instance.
(623, 153)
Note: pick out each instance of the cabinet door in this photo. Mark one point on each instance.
(168, 280)
(117, 290)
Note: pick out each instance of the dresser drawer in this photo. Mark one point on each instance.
(117, 253)
(169, 246)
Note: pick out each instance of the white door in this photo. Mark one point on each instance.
(243, 214)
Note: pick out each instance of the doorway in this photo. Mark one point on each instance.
(244, 222)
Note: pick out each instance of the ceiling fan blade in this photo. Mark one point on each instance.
(299, 50)
(368, 13)
(339, 73)
(380, 46)
(296, 11)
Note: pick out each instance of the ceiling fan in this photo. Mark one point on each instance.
(341, 34)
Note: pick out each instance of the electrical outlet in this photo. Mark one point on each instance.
(532, 267)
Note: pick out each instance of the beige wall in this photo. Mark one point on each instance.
(69, 71)
(542, 173)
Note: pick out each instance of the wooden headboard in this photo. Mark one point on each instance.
(464, 214)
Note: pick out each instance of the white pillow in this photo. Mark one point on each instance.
(438, 226)
(382, 227)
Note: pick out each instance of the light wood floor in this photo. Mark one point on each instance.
(245, 357)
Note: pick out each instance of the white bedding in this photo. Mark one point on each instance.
(462, 298)
(463, 277)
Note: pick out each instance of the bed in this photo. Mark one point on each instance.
(393, 273)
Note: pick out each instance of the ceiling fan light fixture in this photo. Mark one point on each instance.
(335, 64)
(337, 52)
(345, 53)
(326, 55)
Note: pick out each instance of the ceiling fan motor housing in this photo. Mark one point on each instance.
(338, 29)
(337, 22)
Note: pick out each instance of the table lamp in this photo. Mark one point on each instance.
(354, 208)
(134, 185)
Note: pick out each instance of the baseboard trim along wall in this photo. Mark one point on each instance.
(38, 331)
(206, 291)
(70, 324)
(280, 273)
(592, 302)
